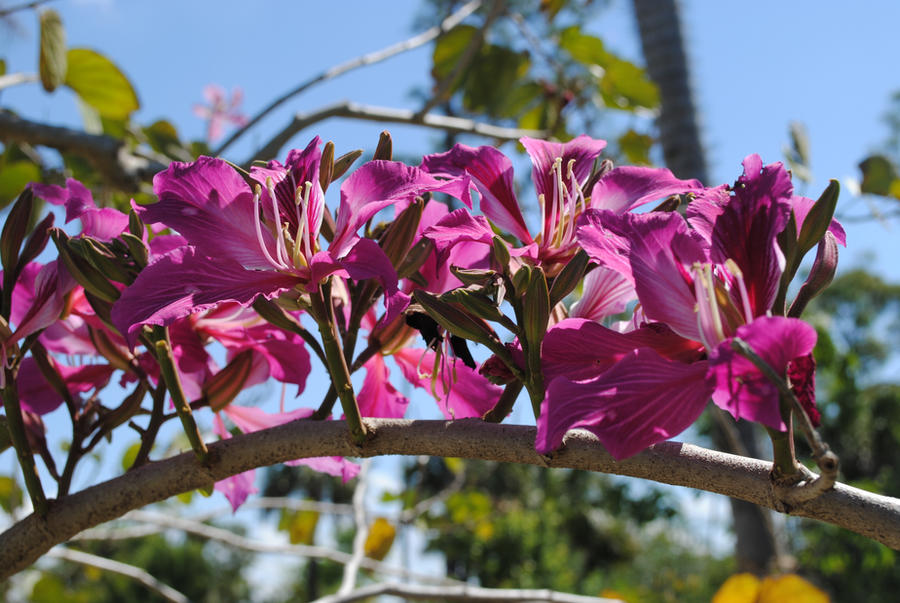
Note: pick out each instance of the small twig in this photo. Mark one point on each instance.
(123, 569)
(14, 79)
(465, 592)
(157, 418)
(351, 110)
(351, 570)
(189, 526)
(362, 61)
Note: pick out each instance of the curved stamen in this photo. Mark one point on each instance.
(276, 215)
(256, 221)
(709, 323)
(742, 288)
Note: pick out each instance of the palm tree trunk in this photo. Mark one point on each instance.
(756, 547)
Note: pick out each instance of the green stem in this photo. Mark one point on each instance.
(173, 384)
(16, 427)
(337, 365)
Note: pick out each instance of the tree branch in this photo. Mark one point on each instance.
(869, 514)
(362, 61)
(117, 567)
(109, 155)
(351, 110)
(463, 592)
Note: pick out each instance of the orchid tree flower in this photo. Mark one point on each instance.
(220, 109)
(243, 244)
(704, 280)
(459, 390)
(560, 173)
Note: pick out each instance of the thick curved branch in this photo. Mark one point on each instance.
(871, 515)
(361, 61)
(109, 155)
(351, 110)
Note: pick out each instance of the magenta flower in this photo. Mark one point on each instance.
(103, 224)
(243, 244)
(559, 172)
(701, 287)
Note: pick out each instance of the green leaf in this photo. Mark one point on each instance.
(626, 86)
(585, 49)
(53, 51)
(10, 494)
(100, 84)
(491, 76)
(449, 49)
(636, 147)
(879, 174)
(130, 455)
(2, 66)
(162, 136)
(14, 176)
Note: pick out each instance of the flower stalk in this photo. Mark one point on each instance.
(337, 364)
(16, 427)
(173, 384)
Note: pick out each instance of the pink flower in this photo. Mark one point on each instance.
(220, 109)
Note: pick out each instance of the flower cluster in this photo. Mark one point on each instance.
(611, 318)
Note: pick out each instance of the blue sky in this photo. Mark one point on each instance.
(756, 67)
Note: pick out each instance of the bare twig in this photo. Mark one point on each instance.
(872, 515)
(14, 79)
(5, 12)
(109, 155)
(362, 61)
(463, 592)
(351, 110)
(161, 520)
(123, 569)
(351, 570)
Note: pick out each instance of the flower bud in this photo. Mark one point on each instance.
(819, 218)
(14, 229)
(82, 271)
(118, 356)
(569, 277)
(326, 166)
(385, 148)
(225, 385)
(820, 274)
(400, 233)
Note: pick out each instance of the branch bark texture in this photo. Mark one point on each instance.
(872, 515)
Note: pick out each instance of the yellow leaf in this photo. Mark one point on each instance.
(790, 587)
(740, 588)
(300, 525)
(380, 538)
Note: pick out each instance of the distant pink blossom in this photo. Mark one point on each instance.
(220, 109)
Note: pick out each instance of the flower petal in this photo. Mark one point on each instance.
(209, 204)
(628, 187)
(378, 398)
(744, 391)
(183, 282)
(492, 174)
(643, 399)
